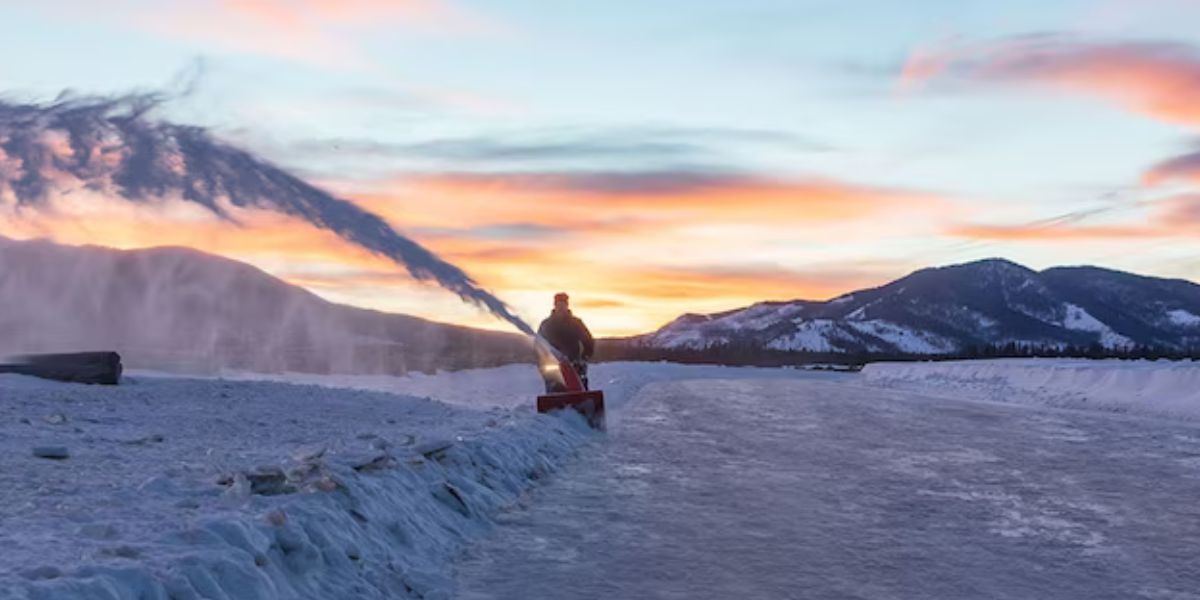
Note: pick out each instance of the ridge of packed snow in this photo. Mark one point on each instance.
(1160, 388)
(220, 489)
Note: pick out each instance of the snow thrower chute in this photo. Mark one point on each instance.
(565, 389)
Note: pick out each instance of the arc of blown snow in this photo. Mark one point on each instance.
(367, 230)
(157, 158)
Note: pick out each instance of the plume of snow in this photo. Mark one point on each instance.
(115, 145)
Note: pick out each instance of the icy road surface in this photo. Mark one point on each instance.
(812, 489)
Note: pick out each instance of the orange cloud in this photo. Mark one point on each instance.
(624, 299)
(676, 285)
(626, 248)
(1159, 79)
(626, 202)
(286, 247)
(264, 238)
(585, 232)
(1065, 233)
(655, 295)
(744, 285)
(625, 245)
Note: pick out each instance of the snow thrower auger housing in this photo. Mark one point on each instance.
(567, 391)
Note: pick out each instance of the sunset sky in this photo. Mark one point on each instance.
(654, 158)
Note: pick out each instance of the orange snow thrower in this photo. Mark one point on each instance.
(566, 390)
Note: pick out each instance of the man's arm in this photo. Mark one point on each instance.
(585, 338)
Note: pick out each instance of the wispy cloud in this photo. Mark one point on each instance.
(482, 149)
(1157, 78)
(1181, 169)
(1168, 217)
(547, 148)
(496, 231)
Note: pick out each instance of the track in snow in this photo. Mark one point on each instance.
(810, 489)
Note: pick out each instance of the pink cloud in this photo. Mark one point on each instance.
(322, 32)
(308, 14)
(1159, 79)
(1183, 210)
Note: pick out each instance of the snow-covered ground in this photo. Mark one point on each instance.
(871, 485)
(215, 489)
(1159, 388)
(241, 489)
(814, 489)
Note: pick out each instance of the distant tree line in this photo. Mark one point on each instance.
(1094, 350)
(750, 355)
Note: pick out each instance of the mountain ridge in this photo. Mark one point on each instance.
(951, 309)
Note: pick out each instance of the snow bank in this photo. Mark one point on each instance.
(247, 490)
(1149, 387)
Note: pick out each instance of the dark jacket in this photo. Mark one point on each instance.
(568, 335)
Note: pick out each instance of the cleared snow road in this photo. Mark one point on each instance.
(810, 489)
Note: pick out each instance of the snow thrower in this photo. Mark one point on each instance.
(565, 389)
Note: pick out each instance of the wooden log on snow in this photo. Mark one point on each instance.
(79, 367)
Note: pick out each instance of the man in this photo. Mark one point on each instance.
(569, 336)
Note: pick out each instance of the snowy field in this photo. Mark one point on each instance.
(239, 489)
(931, 480)
(1156, 388)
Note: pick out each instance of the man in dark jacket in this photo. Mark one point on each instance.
(569, 335)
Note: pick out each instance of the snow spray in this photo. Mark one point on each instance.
(112, 144)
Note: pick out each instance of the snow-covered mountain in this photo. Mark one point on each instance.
(956, 308)
(177, 308)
